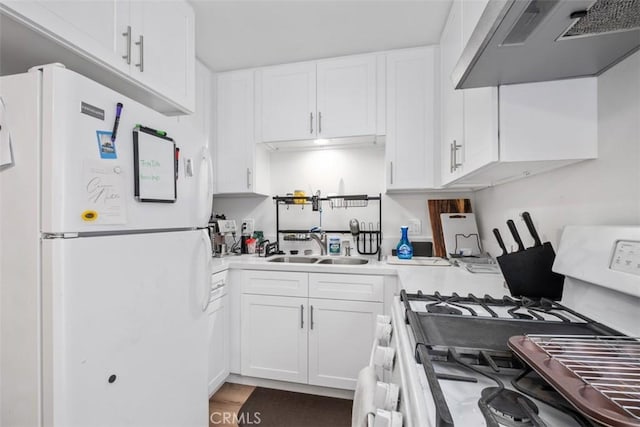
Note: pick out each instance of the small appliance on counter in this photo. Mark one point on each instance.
(219, 228)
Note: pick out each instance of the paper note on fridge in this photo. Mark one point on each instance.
(6, 152)
(105, 196)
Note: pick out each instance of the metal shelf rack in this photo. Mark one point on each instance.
(335, 202)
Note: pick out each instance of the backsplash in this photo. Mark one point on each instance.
(338, 171)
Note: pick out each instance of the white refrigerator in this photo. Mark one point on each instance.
(102, 295)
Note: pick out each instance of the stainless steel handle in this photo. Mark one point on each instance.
(141, 44)
(456, 147)
(391, 172)
(301, 316)
(248, 177)
(311, 318)
(128, 36)
(311, 123)
(319, 122)
(451, 168)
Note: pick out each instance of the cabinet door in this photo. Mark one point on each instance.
(288, 102)
(274, 337)
(340, 337)
(234, 132)
(201, 118)
(481, 146)
(347, 96)
(218, 361)
(98, 28)
(164, 49)
(411, 118)
(451, 100)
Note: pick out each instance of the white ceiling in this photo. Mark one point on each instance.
(231, 35)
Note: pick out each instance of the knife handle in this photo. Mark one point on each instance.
(534, 233)
(496, 233)
(515, 234)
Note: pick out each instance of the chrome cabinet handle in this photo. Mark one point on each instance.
(391, 172)
(141, 44)
(248, 177)
(311, 123)
(301, 316)
(128, 36)
(451, 168)
(311, 319)
(319, 122)
(456, 147)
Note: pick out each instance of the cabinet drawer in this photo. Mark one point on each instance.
(346, 286)
(217, 285)
(283, 283)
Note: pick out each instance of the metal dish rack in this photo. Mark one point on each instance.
(367, 242)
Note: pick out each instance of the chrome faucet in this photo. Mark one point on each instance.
(322, 241)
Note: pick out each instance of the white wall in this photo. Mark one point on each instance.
(340, 171)
(602, 191)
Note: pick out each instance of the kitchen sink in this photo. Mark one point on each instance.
(316, 260)
(295, 259)
(344, 261)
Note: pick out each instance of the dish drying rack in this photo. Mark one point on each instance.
(367, 242)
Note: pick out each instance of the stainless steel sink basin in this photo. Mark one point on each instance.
(344, 261)
(316, 260)
(295, 259)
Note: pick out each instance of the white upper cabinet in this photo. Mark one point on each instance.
(163, 48)
(493, 135)
(332, 98)
(240, 164)
(346, 96)
(144, 49)
(451, 101)
(411, 103)
(287, 102)
(97, 27)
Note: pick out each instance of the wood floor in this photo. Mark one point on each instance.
(225, 404)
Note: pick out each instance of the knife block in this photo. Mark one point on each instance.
(528, 273)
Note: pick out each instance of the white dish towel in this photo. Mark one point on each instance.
(363, 399)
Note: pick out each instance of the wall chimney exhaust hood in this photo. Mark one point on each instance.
(523, 41)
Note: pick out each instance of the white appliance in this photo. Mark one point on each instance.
(602, 268)
(102, 297)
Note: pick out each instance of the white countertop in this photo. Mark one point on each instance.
(427, 279)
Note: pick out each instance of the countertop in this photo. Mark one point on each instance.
(428, 279)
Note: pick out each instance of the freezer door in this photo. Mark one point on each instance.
(125, 334)
(88, 181)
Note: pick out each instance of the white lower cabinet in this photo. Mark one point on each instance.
(340, 337)
(274, 337)
(319, 341)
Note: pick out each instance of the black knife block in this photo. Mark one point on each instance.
(528, 273)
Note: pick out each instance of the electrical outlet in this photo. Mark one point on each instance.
(249, 226)
(415, 226)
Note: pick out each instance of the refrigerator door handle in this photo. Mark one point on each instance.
(206, 162)
(208, 251)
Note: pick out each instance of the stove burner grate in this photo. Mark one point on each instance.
(443, 309)
(510, 408)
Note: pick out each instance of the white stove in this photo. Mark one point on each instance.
(451, 359)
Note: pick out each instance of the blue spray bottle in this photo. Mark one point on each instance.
(404, 248)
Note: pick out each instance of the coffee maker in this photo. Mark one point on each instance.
(219, 227)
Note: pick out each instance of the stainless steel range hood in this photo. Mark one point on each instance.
(521, 41)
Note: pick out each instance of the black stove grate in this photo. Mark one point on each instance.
(479, 343)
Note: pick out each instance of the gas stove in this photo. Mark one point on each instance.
(448, 359)
(461, 345)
